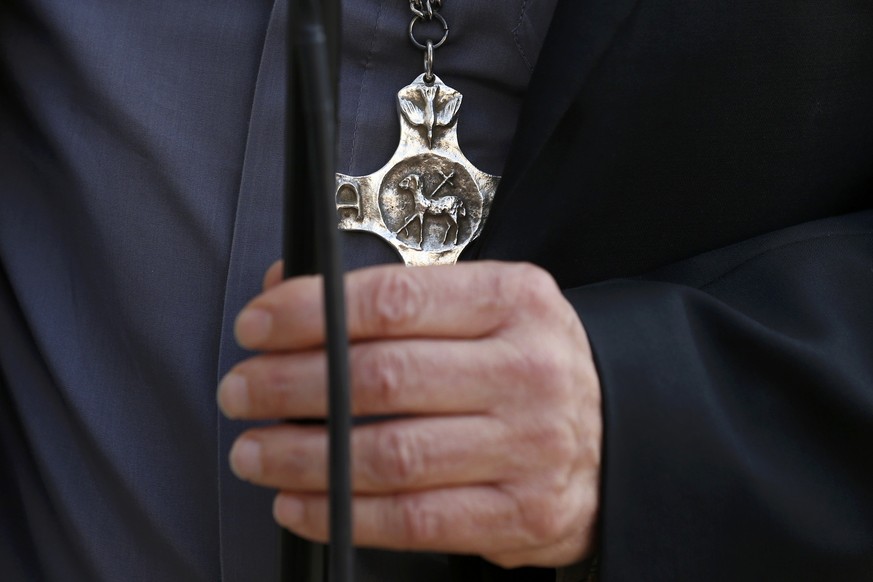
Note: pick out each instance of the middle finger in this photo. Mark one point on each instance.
(388, 456)
(388, 377)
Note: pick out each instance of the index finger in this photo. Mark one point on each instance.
(459, 301)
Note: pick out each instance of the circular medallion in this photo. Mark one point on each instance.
(430, 203)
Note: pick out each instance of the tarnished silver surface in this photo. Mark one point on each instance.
(428, 201)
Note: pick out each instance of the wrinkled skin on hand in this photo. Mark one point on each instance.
(494, 441)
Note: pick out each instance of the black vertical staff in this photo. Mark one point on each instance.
(311, 245)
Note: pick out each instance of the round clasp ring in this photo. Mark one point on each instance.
(437, 45)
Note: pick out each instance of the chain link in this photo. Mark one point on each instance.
(427, 10)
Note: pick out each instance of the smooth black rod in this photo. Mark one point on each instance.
(312, 246)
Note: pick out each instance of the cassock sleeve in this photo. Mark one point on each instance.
(738, 410)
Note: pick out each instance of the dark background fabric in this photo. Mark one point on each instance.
(699, 180)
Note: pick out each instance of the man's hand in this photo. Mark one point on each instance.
(493, 445)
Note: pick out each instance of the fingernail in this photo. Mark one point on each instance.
(233, 395)
(253, 326)
(245, 458)
(288, 511)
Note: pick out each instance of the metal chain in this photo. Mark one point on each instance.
(427, 10)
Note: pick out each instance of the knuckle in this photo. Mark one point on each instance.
(542, 367)
(544, 518)
(398, 463)
(510, 285)
(542, 513)
(397, 300)
(383, 370)
(556, 441)
(422, 526)
(534, 287)
(550, 370)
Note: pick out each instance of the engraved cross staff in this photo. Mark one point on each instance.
(311, 245)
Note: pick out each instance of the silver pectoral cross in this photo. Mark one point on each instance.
(429, 201)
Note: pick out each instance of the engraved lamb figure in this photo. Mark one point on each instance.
(449, 206)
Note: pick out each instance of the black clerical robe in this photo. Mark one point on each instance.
(698, 176)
